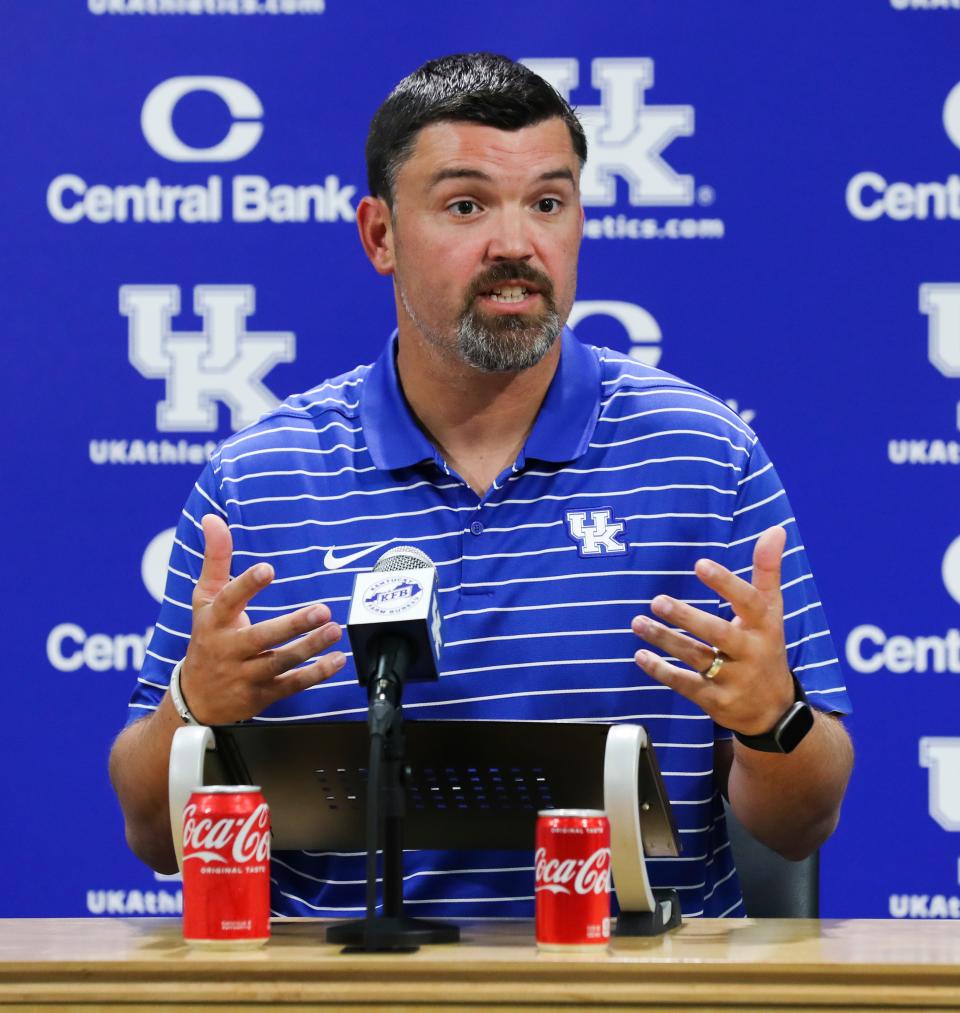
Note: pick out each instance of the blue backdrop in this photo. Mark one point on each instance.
(772, 204)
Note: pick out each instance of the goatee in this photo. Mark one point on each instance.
(510, 342)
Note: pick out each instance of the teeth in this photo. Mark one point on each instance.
(509, 293)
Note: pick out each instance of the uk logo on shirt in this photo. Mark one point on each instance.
(597, 536)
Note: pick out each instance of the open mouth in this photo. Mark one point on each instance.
(511, 293)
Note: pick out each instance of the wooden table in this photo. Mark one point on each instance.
(706, 965)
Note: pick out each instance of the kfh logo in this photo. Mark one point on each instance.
(242, 102)
(393, 595)
(600, 536)
(941, 305)
(942, 757)
(222, 363)
(625, 136)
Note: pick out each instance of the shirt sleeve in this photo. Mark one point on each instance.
(171, 633)
(761, 503)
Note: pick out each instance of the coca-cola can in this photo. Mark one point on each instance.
(572, 885)
(226, 867)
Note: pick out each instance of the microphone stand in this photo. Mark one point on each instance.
(392, 930)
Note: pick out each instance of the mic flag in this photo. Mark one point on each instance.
(399, 597)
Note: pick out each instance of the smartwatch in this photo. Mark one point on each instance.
(789, 731)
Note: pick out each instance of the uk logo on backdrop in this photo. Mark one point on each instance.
(224, 363)
(941, 757)
(626, 139)
(940, 304)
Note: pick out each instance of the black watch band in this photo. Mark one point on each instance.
(789, 731)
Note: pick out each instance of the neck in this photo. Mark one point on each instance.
(478, 421)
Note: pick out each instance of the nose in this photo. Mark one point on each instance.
(511, 237)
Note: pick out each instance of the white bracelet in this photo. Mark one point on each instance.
(176, 696)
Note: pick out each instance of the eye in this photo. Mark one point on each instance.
(463, 208)
(548, 205)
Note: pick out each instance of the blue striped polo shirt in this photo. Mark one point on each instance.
(629, 476)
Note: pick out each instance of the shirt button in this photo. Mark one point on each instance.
(476, 528)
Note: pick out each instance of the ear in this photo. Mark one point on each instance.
(376, 233)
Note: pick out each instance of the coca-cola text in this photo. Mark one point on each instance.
(588, 875)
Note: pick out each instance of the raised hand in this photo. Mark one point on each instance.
(233, 668)
(750, 685)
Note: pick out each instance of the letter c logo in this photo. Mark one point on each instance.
(641, 327)
(156, 119)
(951, 115)
(951, 569)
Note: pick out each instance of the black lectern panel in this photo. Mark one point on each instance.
(469, 784)
(494, 776)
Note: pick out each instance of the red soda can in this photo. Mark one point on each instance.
(572, 885)
(226, 867)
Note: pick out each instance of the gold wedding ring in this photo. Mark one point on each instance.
(710, 672)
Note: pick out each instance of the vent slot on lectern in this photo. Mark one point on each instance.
(479, 787)
(438, 788)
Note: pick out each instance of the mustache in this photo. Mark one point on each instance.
(510, 270)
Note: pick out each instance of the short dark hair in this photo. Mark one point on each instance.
(474, 87)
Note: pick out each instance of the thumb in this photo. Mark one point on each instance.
(217, 553)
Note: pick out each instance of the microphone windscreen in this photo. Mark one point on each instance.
(402, 557)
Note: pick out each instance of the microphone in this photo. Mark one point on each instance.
(394, 629)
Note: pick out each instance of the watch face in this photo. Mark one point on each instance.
(795, 726)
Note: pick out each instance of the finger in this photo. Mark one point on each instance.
(711, 629)
(689, 684)
(217, 553)
(235, 596)
(748, 603)
(270, 664)
(310, 675)
(691, 652)
(262, 636)
(767, 557)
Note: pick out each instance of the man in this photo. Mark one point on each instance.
(560, 489)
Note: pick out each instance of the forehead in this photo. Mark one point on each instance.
(501, 154)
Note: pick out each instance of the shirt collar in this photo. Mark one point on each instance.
(562, 431)
(568, 416)
(393, 437)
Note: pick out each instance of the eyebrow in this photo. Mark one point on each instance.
(444, 174)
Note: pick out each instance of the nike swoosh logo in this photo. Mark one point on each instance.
(332, 562)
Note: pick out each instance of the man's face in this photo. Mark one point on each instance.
(486, 231)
